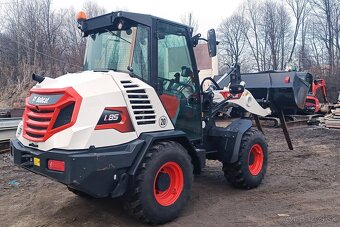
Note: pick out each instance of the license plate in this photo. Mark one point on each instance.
(36, 161)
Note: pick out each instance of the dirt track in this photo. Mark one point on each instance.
(302, 187)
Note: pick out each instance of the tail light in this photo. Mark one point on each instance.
(56, 165)
(287, 79)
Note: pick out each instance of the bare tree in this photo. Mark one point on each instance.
(300, 11)
(261, 35)
(274, 29)
(232, 39)
(324, 11)
(252, 31)
(92, 9)
(189, 19)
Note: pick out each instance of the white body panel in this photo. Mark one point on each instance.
(246, 101)
(99, 90)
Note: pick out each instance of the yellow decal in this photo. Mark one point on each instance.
(36, 161)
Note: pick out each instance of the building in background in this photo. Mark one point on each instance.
(207, 66)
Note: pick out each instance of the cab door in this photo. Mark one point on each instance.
(178, 83)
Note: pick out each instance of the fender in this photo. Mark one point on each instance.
(227, 140)
(198, 158)
(241, 126)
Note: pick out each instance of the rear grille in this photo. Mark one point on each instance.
(42, 121)
(140, 103)
(37, 121)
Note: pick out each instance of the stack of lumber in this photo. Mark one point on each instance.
(334, 120)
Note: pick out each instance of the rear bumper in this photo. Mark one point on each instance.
(99, 172)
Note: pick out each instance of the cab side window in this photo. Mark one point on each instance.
(176, 81)
(140, 58)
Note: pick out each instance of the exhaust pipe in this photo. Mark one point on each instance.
(38, 78)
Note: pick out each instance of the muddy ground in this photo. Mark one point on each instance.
(301, 188)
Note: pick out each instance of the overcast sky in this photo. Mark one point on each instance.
(208, 13)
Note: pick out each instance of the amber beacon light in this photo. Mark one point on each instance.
(81, 16)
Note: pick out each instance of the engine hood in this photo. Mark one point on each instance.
(75, 79)
(75, 109)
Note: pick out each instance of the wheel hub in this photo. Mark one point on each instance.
(162, 181)
(255, 159)
(168, 183)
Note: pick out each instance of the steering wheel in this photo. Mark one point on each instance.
(212, 80)
(164, 81)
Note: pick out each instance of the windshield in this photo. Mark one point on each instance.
(123, 51)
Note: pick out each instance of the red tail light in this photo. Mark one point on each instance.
(287, 79)
(56, 165)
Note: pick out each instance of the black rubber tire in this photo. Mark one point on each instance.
(142, 202)
(238, 173)
(80, 193)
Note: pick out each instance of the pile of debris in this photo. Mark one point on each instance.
(333, 121)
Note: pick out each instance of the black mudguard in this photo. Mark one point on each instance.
(149, 138)
(227, 141)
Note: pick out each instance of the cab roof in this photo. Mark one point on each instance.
(105, 21)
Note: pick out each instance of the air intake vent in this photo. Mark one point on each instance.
(140, 103)
(129, 84)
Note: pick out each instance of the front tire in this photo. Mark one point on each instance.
(163, 184)
(249, 170)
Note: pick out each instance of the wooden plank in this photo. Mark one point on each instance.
(333, 126)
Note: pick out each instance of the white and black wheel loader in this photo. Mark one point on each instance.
(136, 122)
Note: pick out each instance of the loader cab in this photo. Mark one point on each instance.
(177, 76)
(155, 50)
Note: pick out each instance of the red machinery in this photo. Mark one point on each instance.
(312, 102)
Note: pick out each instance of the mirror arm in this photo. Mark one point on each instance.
(217, 42)
(203, 39)
(197, 37)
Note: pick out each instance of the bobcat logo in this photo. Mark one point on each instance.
(163, 121)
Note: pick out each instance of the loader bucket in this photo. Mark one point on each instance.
(279, 90)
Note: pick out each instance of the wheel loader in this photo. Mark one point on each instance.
(136, 123)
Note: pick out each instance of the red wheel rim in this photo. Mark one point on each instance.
(255, 159)
(174, 174)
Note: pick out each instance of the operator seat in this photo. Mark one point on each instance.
(171, 98)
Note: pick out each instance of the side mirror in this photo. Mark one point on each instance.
(212, 42)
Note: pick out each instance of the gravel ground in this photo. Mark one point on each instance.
(301, 188)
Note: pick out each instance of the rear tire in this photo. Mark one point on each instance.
(249, 170)
(163, 184)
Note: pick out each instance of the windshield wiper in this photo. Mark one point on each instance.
(112, 33)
